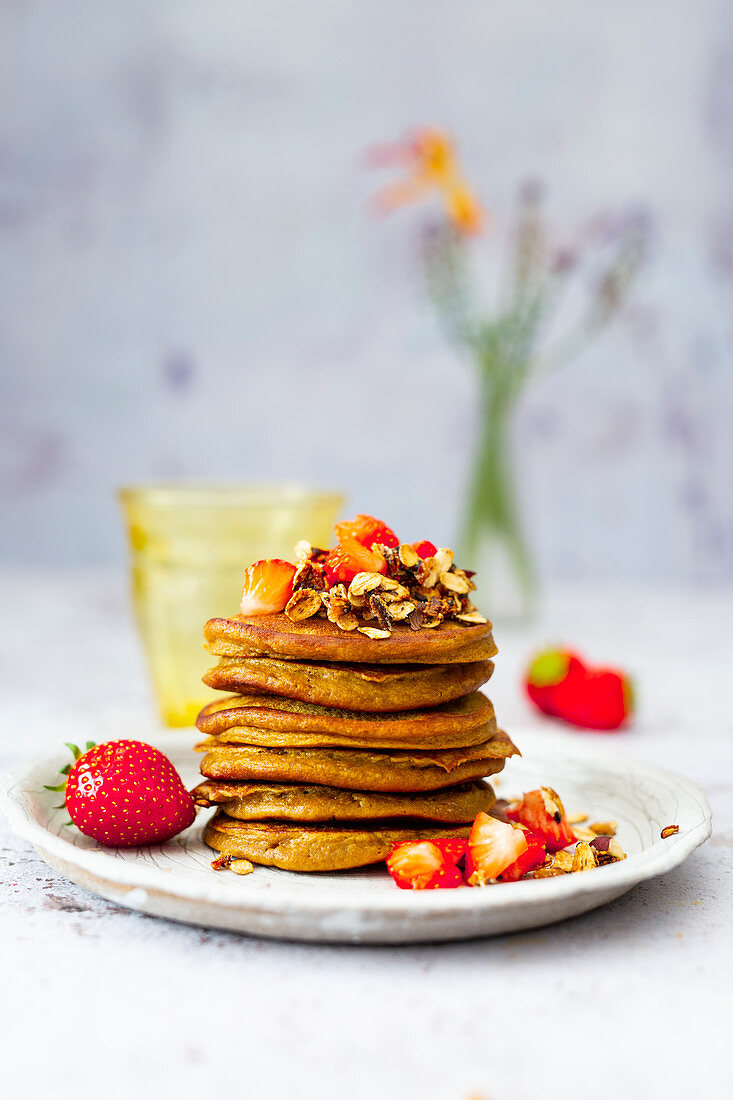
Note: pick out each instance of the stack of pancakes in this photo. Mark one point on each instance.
(336, 746)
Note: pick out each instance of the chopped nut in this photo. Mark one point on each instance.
(472, 617)
(373, 633)
(670, 830)
(400, 610)
(563, 860)
(455, 582)
(428, 573)
(607, 850)
(379, 609)
(363, 583)
(547, 872)
(604, 828)
(241, 866)
(303, 604)
(583, 858)
(221, 863)
(582, 833)
(575, 819)
(408, 555)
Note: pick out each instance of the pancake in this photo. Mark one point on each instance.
(357, 769)
(274, 721)
(296, 802)
(320, 640)
(358, 687)
(314, 847)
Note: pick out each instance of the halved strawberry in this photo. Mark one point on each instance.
(414, 864)
(367, 530)
(541, 811)
(349, 558)
(534, 857)
(425, 549)
(268, 585)
(492, 847)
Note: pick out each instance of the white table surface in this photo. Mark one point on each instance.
(634, 999)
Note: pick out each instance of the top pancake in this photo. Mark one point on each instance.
(318, 639)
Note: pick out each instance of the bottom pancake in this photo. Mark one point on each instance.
(298, 802)
(314, 847)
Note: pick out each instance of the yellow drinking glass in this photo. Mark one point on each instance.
(190, 545)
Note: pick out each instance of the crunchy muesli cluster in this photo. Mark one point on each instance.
(420, 591)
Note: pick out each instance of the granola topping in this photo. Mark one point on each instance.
(422, 592)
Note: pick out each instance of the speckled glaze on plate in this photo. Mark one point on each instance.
(175, 880)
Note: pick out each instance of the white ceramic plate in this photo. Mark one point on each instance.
(175, 880)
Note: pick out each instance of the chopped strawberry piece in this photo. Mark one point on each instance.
(425, 549)
(268, 585)
(534, 857)
(453, 848)
(449, 879)
(415, 864)
(349, 558)
(368, 531)
(542, 812)
(492, 847)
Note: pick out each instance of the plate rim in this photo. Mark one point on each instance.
(279, 898)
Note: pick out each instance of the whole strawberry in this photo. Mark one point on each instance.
(126, 793)
(564, 686)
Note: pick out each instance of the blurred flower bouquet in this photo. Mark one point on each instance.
(512, 343)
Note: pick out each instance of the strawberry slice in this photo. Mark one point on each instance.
(493, 846)
(425, 549)
(542, 812)
(268, 585)
(534, 857)
(368, 531)
(416, 864)
(349, 558)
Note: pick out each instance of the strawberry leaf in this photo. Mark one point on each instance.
(58, 787)
(75, 750)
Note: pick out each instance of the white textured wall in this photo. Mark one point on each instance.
(189, 283)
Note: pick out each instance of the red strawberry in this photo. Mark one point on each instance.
(560, 684)
(533, 857)
(425, 549)
(450, 879)
(125, 793)
(368, 531)
(493, 846)
(452, 847)
(414, 864)
(268, 585)
(349, 558)
(542, 812)
(604, 700)
(550, 676)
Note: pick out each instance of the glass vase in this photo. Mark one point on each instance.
(492, 539)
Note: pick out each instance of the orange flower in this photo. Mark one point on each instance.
(430, 158)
